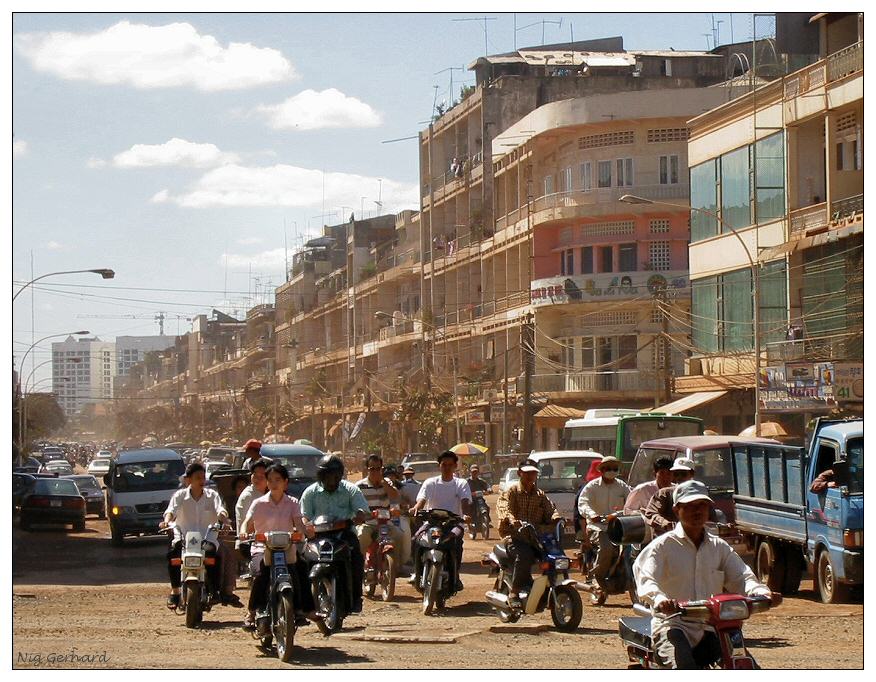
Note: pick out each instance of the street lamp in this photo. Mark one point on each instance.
(755, 288)
(106, 273)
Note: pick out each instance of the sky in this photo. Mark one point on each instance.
(185, 151)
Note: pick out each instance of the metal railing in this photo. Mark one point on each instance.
(803, 81)
(591, 382)
(846, 208)
(807, 218)
(845, 62)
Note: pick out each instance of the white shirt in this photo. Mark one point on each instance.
(600, 498)
(194, 515)
(244, 502)
(640, 496)
(441, 494)
(673, 567)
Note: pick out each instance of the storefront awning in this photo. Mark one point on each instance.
(689, 402)
(554, 411)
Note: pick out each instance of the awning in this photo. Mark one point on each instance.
(689, 402)
(559, 411)
(825, 237)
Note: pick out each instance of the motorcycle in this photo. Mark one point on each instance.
(480, 522)
(380, 560)
(331, 572)
(627, 533)
(277, 622)
(197, 588)
(436, 542)
(552, 589)
(725, 613)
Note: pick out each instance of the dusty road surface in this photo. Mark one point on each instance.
(73, 593)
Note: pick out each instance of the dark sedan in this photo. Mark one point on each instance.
(95, 502)
(52, 500)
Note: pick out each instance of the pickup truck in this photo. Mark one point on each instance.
(788, 526)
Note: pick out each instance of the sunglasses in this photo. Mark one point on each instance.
(611, 469)
(375, 468)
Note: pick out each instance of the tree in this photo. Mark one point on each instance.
(376, 441)
(429, 410)
(44, 415)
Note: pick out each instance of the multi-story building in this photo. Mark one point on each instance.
(777, 187)
(132, 349)
(82, 372)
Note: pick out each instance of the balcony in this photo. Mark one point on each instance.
(848, 208)
(593, 382)
(564, 289)
(845, 62)
(807, 218)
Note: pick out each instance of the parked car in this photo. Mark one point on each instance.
(508, 478)
(99, 466)
(95, 502)
(213, 466)
(20, 483)
(30, 466)
(61, 467)
(52, 500)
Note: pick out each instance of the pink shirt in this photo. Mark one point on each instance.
(268, 515)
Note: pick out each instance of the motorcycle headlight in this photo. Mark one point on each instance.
(383, 514)
(733, 610)
(562, 564)
(193, 562)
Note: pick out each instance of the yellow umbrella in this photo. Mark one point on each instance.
(767, 430)
(465, 449)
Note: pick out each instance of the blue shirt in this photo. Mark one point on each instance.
(343, 503)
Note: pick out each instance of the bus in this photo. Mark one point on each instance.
(620, 432)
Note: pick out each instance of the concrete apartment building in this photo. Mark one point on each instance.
(82, 372)
(800, 140)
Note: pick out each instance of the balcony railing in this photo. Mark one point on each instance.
(803, 81)
(808, 218)
(845, 62)
(592, 382)
(846, 208)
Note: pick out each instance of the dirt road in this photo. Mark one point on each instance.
(76, 595)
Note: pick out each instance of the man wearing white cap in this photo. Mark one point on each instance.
(658, 513)
(689, 563)
(599, 498)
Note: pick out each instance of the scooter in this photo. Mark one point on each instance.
(725, 613)
(380, 562)
(552, 589)
(277, 622)
(197, 588)
(436, 543)
(331, 572)
(480, 522)
(627, 533)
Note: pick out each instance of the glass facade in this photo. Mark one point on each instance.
(773, 293)
(769, 155)
(704, 314)
(738, 315)
(735, 189)
(704, 195)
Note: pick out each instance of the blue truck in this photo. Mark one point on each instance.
(791, 528)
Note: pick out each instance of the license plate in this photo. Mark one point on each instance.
(55, 503)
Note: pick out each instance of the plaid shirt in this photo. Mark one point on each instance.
(516, 505)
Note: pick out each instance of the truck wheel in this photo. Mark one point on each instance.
(830, 591)
(770, 564)
(116, 537)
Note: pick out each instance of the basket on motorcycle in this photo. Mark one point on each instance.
(626, 529)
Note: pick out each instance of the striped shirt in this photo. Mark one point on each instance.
(375, 495)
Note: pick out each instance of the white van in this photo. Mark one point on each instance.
(139, 485)
(561, 474)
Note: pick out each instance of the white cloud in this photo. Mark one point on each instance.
(311, 110)
(95, 162)
(19, 149)
(249, 241)
(173, 55)
(174, 152)
(272, 259)
(284, 185)
(54, 246)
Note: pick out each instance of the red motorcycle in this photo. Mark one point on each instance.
(725, 613)
(380, 561)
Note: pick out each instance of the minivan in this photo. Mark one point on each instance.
(560, 474)
(139, 485)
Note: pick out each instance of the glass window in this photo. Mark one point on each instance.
(669, 170)
(566, 180)
(735, 189)
(740, 463)
(769, 155)
(773, 302)
(855, 458)
(737, 311)
(567, 262)
(586, 260)
(703, 194)
(627, 257)
(704, 314)
(548, 184)
(587, 352)
(605, 259)
(586, 177)
(713, 468)
(604, 169)
(626, 350)
(624, 172)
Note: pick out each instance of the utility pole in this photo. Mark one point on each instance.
(664, 319)
(528, 350)
(456, 403)
(505, 401)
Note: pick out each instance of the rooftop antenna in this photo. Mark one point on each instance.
(485, 20)
(285, 253)
(559, 24)
(451, 69)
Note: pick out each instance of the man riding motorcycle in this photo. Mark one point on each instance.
(380, 494)
(257, 487)
(684, 564)
(336, 497)
(658, 513)
(599, 498)
(641, 495)
(523, 502)
(445, 492)
(475, 482)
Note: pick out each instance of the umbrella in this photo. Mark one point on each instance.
(303, 441)
(767, 430)
(465, 449)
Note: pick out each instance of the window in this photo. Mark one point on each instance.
(627, 258)
(669, 170)
(586, 177)
(586, 260)
(773, 302)
(624, 172)
(567, 262)
(658, 253)
(626, 352)
(659, 225)
(704, 195)
(704, 314)
(587, 359)
(548, 184)
(769, 155)
(604, 169)
(666, 67)
(566, 179)
(735, 188)
(605, 259)
(737, 311)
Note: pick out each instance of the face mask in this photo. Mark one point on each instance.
(609, 475)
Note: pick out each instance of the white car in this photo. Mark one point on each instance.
(213, 466)
(98, 467)
(104, 454)
(58, 466)
(509, 478)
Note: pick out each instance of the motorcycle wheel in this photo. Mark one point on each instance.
(472, 531)
(566, 608)
(326, 601)
(266, 641)
(430, 589)
(285, 627)
(387, 578)
(506, 616)
(486, 532)
(193, 604)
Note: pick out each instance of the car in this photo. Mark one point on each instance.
(52, 500)
(57, 466)
(415, 457)
(560, 474)
(424, 469)
(508, 479)
(104, 454)
(99, 466)
(29, 466)
(95, 503)
(51, 454)
(220, 453)
(213, 466)
(20, 483)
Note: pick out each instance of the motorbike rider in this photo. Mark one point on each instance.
(475, 482)
(195, 508)
(409, 486)
(523, 502)
(381, 494)
(253, 451)
(599, 498)
(689, 563)
(334, 496)
(641, 495)
(275, 511)
(445, 492)
(658, 513)
(257, 487)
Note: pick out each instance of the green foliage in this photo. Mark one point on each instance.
(376, 441)
(429, 411)
(44, 415)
